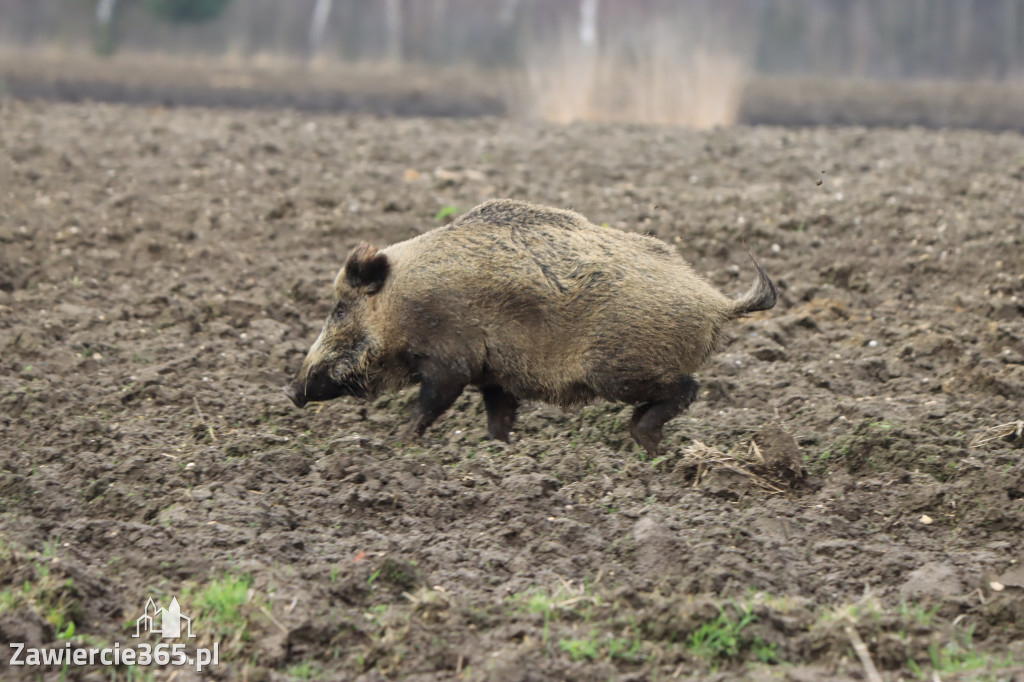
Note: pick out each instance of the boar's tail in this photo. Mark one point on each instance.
(761, 296)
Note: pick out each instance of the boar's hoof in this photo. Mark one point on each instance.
(410, 433)
(649, 441)
(297, 394)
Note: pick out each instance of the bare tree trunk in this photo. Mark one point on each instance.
(588, 22)
(939, 39)
(1009, 39)
(964, 66)
(393, 27)
(26, 33)
(105, 11)
(105, 40)
(861, 38)
(239, 33)
(922, 32)
(318, 26)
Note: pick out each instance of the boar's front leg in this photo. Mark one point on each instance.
(438, 391)
(649, 418)
(501, 411)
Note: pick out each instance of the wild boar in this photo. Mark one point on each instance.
(525, 302)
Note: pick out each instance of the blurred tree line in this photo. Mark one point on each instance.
(859, 38)
(173, 11)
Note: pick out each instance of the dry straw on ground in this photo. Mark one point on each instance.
(749, 464)
(1013, 431)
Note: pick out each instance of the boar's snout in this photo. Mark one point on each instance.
(296, 392)
(317, 386)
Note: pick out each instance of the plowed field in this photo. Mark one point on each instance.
(852, 470)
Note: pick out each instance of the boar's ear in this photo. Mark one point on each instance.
(366, 268)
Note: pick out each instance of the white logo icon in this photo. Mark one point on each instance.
(170, 621)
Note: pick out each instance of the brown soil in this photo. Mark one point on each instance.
(162, 273)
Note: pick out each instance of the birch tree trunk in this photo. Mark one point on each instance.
(105, 39)
(588, 22)
(105, 11)
(318, 26)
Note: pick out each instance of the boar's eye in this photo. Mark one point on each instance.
(339, 313)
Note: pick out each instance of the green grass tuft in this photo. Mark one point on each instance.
(445, 213)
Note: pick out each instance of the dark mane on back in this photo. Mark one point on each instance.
(520, 215)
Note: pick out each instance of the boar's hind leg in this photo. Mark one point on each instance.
(436, 396)
(501, 411)
(649, 418)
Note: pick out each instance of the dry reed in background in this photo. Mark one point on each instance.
(659, 78)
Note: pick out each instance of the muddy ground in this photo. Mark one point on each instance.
(162, 272)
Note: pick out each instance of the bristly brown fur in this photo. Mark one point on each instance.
(525, 302)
